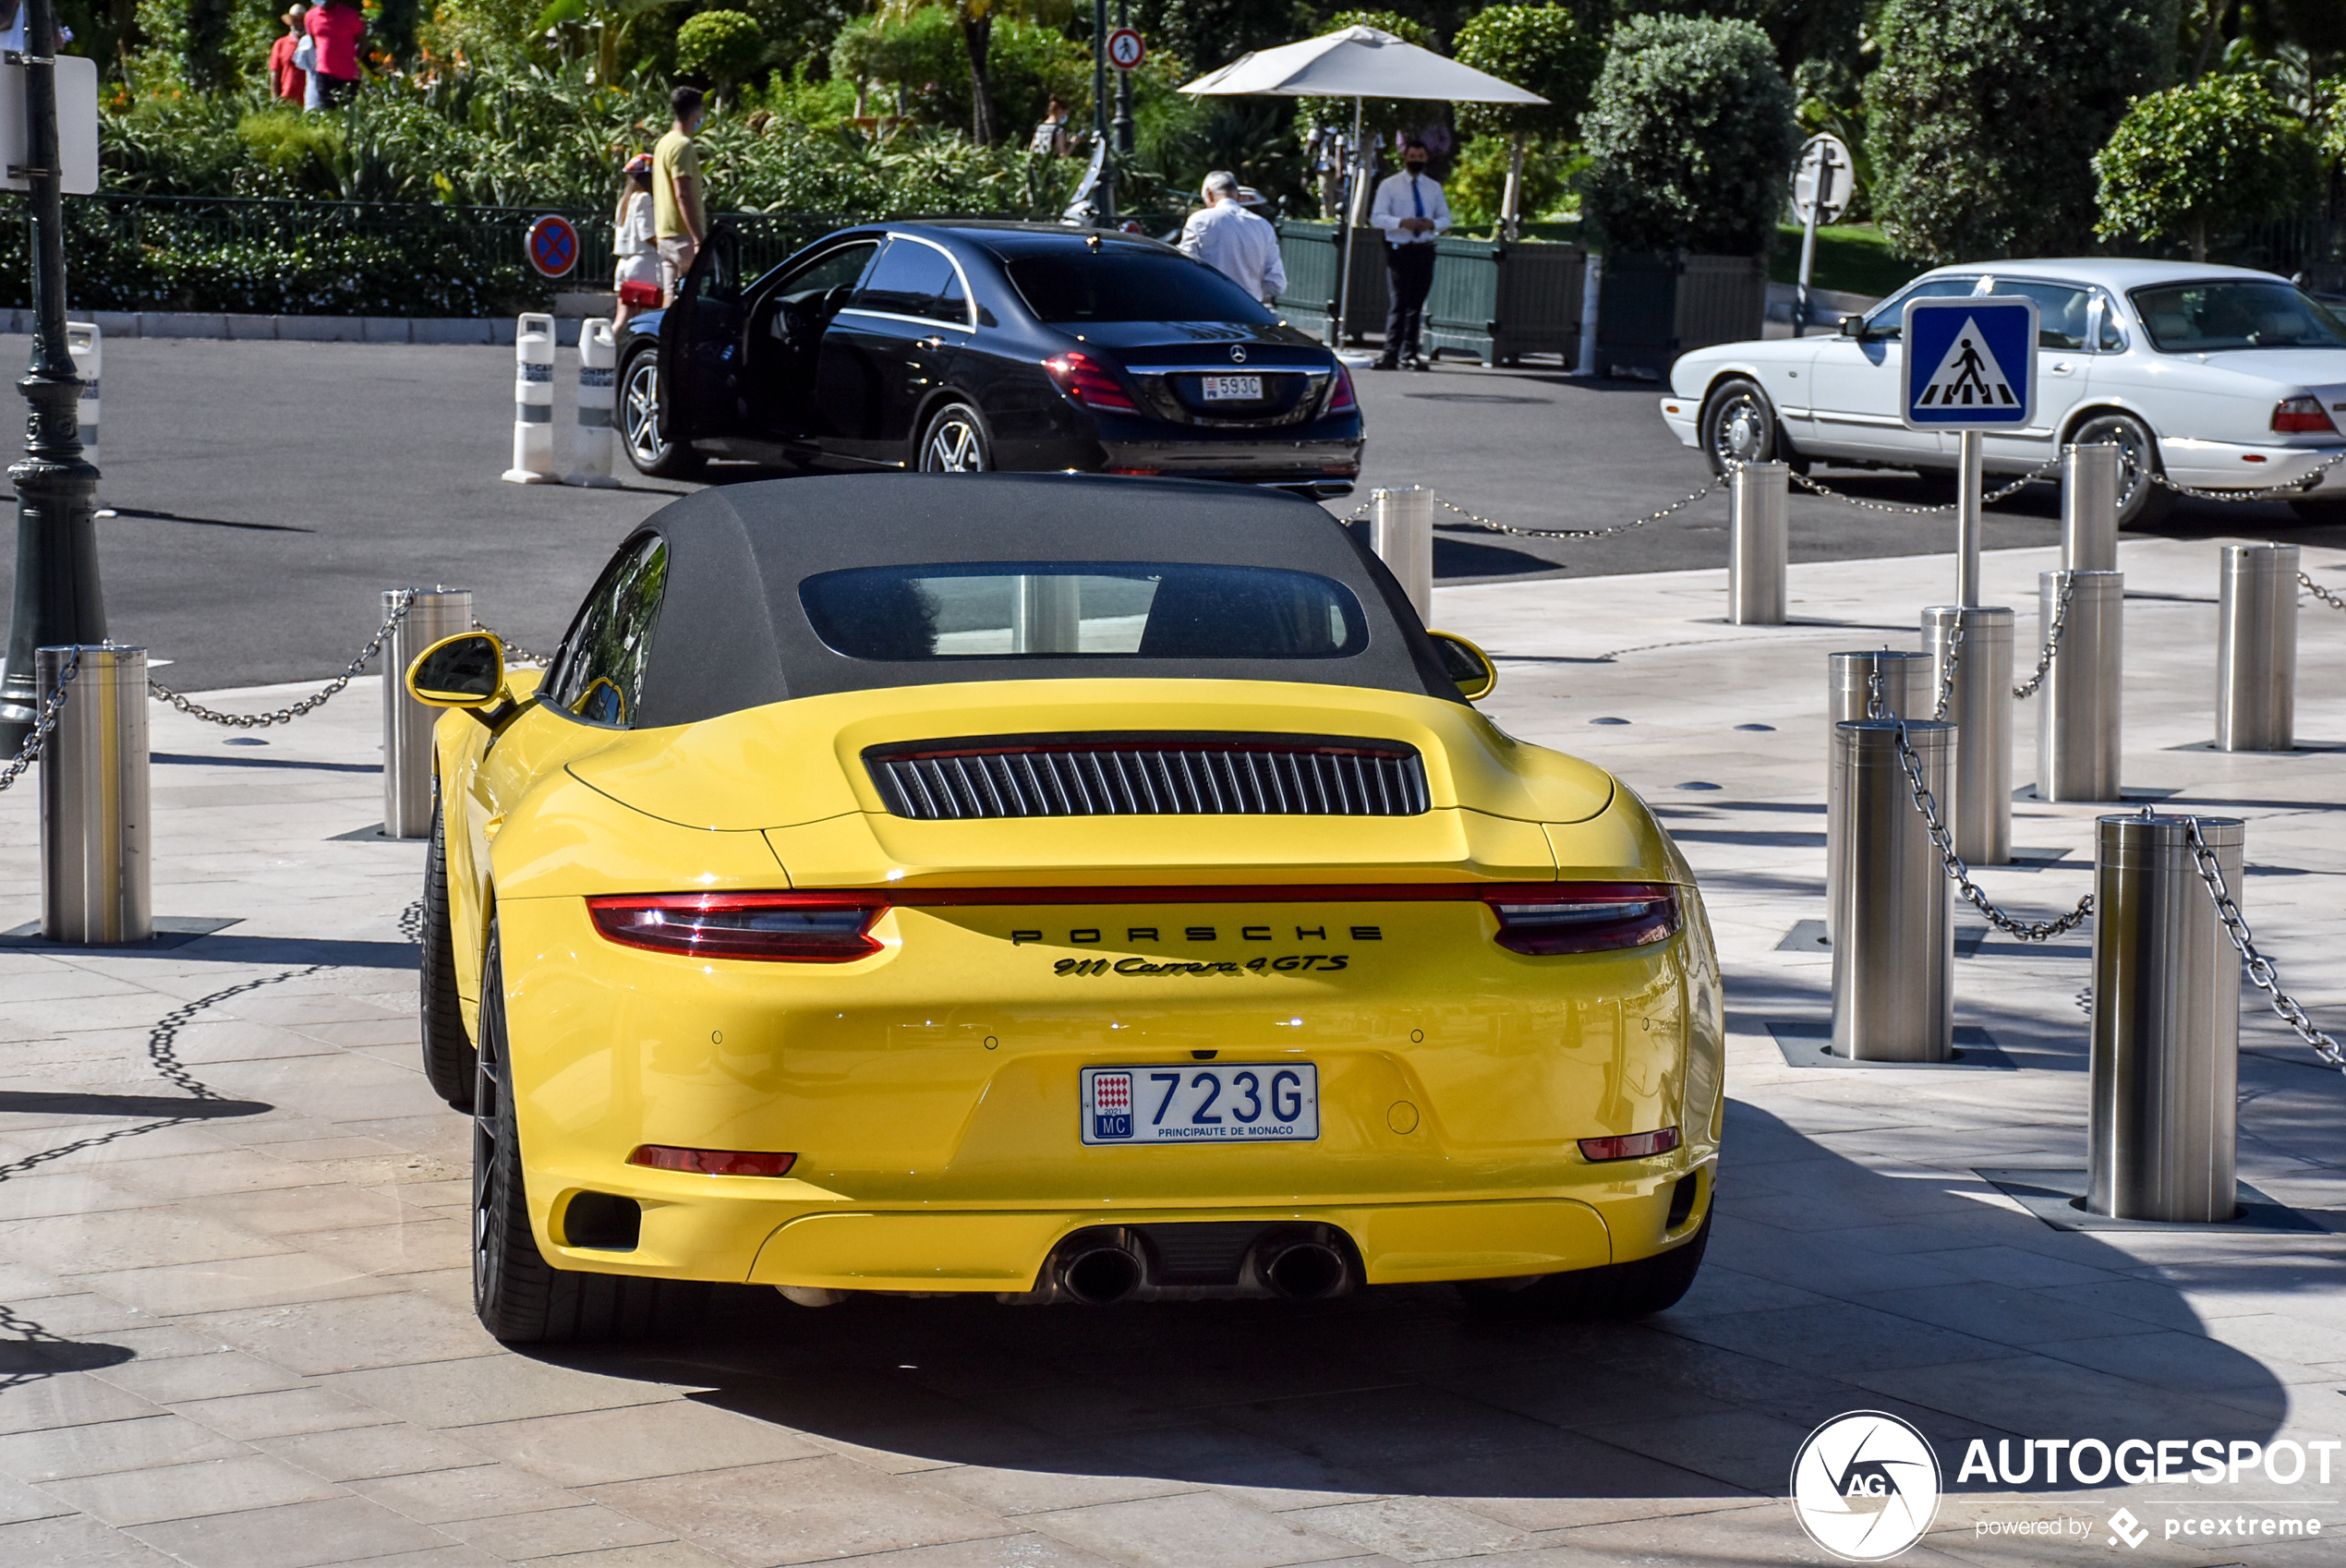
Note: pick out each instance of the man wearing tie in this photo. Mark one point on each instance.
(1410, 208)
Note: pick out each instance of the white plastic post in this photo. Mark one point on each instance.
(86, 345)
(534, 402)
(597, 398)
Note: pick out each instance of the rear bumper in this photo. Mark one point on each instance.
(1297, 462)
(2219, 466)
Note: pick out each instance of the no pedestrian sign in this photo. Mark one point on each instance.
(552, 246)
(1125, 49)
(1971, 363)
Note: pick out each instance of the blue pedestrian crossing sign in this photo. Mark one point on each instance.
(1971, 363)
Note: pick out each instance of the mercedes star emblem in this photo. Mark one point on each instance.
(1237, 355)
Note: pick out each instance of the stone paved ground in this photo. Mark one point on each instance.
(235, 1329)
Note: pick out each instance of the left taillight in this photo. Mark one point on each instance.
(1583, 917)
(2301, 415)
(806, 928)
(1089, 383)
(1341, 400)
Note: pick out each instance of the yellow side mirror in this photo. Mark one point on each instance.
(1465, 664)
(465, 670)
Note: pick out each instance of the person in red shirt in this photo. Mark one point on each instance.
(287, 79)
(335, 26)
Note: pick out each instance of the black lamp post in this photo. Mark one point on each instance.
(57, 597)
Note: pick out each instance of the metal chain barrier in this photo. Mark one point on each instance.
(2294, 487)
(43, 725)
(1816, 487)
(515, 652)
(161, 692)
(1488, 526)
(1946, 681)
(1944, 842)
(2320, 593)
(2260, 968)
(2052, 637)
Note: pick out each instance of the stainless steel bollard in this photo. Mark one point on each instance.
(1905, 691)
(2078, 709)
(2165, 1084)
(436, 613)
(1893, 1000)
(2256, 649)
(1757, 543)
(1979, 706)
(96, 833)
(2089, 476)
(1401, 532)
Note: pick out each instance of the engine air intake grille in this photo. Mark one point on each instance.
(1150, 775)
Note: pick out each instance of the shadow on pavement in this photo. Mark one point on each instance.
(1821, 1296)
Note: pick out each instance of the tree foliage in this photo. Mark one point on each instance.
(724, 47)
(1984, 115)
(1690, 135)
(1540, 48)
(2213, 155)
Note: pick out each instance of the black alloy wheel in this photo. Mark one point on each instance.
(1612, 1292)
(451, 1064)
(639, 421)
(2141, 499)
(956, 443)
(1738, 425)
(518, 1295)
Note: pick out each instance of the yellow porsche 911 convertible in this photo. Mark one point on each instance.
(1071, 889)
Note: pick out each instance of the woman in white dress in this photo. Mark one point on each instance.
(637, 245)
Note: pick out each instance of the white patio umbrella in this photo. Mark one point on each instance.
(1357, 63)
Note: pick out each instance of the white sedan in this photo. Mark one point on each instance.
(2219, 378)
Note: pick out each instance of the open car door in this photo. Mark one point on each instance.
(700, 346)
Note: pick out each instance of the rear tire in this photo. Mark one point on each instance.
(1615, 1292)
(955, 443)
(2141, 499)
(450, 1062)
(519, 1296)
(639, 421)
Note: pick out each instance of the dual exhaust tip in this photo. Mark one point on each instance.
(1291, 1264)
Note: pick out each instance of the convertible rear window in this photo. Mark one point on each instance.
(2210, 317)
(1091, 610)
(1121, 284)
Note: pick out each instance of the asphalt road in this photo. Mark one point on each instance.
(267, 492)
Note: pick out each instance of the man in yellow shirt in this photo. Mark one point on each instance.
(679, 219)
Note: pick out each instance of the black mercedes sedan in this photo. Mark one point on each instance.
(958, 346)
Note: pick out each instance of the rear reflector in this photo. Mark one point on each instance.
(1582, 917)
(712, 1162)
(1631, 1146)
(818, 928)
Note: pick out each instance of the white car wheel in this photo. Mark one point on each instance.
(1738, 425)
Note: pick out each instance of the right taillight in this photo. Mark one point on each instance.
(1089, 383)
(1341, 400)
(1583, 917)
(816, 928)
(2302, 415)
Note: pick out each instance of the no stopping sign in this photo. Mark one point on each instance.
(552, 246)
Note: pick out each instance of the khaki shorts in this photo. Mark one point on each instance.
(675, 260)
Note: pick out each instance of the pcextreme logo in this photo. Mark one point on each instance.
(1864, 1486)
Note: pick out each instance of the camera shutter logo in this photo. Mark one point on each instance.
(1864, 1486)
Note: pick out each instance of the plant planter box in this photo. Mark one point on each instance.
(1653, 309)
(1311, 254)
(1499, 301)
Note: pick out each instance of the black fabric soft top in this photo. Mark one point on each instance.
(732, 633)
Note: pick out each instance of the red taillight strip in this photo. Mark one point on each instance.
(643, 920)
(1282, 893)
(1629, 1146)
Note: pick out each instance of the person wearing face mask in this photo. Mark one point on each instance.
(1410, 208)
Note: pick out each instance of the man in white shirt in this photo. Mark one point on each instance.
(1410, 208)
(1233, 241)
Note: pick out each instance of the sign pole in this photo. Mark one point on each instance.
(1104, 194)
(1344, 248)
(1821, 156)
(1968, 480)
(1124, 85)
(57, 597)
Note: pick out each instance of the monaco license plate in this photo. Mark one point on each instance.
(1224, 1102)
(1233, 388)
